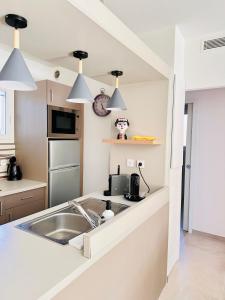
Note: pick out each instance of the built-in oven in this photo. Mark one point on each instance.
(63, 123)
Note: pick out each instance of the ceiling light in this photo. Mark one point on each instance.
(80, 92)
(15, 74)
(116, 101)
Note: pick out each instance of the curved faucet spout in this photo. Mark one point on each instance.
(90, 220)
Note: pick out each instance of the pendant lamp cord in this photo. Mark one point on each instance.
(80, 66)
(16, 39)
(117, 82)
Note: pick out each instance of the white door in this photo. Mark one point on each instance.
(187, 167)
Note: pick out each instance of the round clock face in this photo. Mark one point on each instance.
(99, 105)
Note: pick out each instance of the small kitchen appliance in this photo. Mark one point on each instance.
(13, 171)
(118, 184)
(63, 123)
(133, 195)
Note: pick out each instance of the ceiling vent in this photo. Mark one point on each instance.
(214, 43)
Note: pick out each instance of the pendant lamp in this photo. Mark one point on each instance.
(116, 102)
(15, 74)
(80, 92)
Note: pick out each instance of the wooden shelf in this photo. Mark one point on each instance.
(130, 142)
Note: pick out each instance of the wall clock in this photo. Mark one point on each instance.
(100, 103)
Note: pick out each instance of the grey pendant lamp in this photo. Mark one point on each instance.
(116, 102)
(15, 74)
(80, 92)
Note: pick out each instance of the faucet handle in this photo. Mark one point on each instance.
(97, 218)
(73, 203)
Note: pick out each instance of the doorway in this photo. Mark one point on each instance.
(186, 168)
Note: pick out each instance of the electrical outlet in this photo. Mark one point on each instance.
(130, 163)
(141, 164)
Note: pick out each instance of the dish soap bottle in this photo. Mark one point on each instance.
(108, 213)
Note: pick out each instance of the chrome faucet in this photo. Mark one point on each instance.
(91, 220)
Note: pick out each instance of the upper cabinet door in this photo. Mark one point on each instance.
(6, 116)
(57, 94)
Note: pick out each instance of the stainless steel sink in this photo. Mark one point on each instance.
(65, 224)
(98, 206)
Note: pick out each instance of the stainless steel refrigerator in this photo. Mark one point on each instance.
(64, 171)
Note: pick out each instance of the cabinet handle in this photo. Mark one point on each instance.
(10, 217)
(1, 210)
(26, 198)
(51, 95)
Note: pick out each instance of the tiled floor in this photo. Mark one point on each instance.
(200, 273)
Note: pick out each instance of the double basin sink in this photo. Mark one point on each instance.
(64, 224)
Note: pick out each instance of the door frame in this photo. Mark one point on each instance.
(187, 174)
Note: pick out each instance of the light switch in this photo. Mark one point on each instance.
(130, 163)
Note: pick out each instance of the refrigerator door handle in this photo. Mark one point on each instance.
(63, 167)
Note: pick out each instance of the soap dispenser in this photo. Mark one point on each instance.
(108, 213)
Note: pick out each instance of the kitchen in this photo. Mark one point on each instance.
(98, 154)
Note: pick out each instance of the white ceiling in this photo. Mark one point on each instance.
(56, 28)
(195, 17)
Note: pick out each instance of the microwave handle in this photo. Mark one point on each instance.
(51, 95)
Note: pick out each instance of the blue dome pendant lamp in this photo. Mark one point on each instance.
(80, 92)
(15, 74)
(116, 102)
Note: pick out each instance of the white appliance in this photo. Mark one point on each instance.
(64, 171)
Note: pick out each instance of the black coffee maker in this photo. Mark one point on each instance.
(13, 171)
(133, 195)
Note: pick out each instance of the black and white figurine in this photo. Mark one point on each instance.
(122, 125)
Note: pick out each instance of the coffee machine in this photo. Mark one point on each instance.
(133, 195)
(13, 171)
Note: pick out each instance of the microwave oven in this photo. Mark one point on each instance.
(63, 123)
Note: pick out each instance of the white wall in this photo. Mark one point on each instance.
(96, 154)
(207, 198)
(147, 111)
(174, 154)
(169, 44)
(162, 42)
(204, 70)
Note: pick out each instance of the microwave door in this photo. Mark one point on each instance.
(63, 153)
(63, 123)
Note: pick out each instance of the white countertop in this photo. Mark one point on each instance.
(34, 268)
(18, 186)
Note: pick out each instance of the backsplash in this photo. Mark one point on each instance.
(6, 151)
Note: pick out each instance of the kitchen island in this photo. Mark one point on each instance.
(127, 257)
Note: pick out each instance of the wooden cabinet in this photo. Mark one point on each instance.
(57, 94)
(4, 218)
(21, 204)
